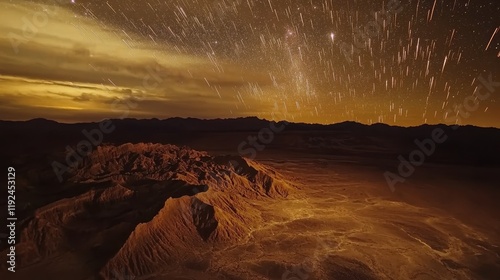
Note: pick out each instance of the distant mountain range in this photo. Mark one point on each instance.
(464, 144)
(223, 125)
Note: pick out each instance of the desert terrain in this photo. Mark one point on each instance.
(314, 204)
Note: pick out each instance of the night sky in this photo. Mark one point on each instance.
(398, 62)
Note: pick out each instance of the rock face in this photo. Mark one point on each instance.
(149, 207)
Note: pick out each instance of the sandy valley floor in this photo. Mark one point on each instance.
(345, 223)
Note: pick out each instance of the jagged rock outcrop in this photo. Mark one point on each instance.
(160, 204)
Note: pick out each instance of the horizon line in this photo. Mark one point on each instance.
(247, 117)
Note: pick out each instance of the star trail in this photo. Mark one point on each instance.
(396, 62)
